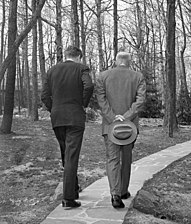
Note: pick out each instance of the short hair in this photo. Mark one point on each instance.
(123, 58)
(72, 52)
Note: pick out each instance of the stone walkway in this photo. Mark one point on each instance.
(96, 202)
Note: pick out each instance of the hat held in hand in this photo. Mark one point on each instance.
(122, 132)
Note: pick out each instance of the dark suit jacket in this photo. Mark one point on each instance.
(67, 90)
(120, 91)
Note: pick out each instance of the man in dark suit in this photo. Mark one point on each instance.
(120, 94)
(66, 93)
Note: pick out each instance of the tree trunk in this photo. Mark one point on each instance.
(99, 33)
(75, 23)
(34, 70)
(26, 67)
(51, 48)
(18, 81)
(161, 59)
(59, 31)
(41, 51)
(10, 82)
(115, 38)
(185, 101)
(19, 39)
(139, 36)
(21, 79)
(3, 92)
(171, 68)
(2, 50)
(83, 37)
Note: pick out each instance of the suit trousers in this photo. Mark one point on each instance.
(70, 141)
(118, 166)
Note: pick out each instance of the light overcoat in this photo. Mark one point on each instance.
(120, 91)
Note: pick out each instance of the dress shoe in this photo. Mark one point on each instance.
(70, 204)
(117, 202)
(126, 195)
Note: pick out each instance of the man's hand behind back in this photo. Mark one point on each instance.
(119, 118)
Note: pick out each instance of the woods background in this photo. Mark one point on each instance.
(156, 33)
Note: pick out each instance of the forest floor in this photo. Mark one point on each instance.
(31, 170)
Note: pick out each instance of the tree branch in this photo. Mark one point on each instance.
(19, 39)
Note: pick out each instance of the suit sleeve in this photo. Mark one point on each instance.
(106, 109)
(46, 95)
(88, 86)
(137, 106)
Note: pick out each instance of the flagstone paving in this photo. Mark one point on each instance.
(96, 201)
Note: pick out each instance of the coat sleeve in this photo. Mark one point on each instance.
(106, 109)
(88, 86)
(46, 95)
(137, 106)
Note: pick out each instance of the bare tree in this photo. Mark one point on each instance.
(59, 31)
(75, 23)
(115, 22)
(19, 86)
(98, 13)
(10, 82)
(83, 37)
(184, 98)
(26, 65)
(171, 68)
(58, 28)
(2, 51)
(2, 31)
(34, 113)
(19, 39)
(99, 34)
(41, 50)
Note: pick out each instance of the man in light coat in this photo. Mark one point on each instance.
(120, 94)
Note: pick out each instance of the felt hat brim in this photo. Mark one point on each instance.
(121, 141)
